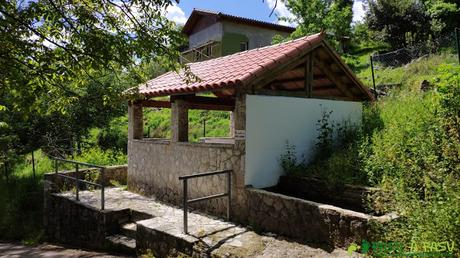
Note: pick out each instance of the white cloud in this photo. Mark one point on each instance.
(358, 10)
(174, 13)
(282, 11)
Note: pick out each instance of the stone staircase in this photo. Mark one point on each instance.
(124, 241)
(133, 224)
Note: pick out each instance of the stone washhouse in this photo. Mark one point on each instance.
(275, 94)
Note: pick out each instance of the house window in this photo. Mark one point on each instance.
(244, 45)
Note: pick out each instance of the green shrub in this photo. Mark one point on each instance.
(102, 158)
(115, 136)
(289, 161)
(414, 158)
(337, 155)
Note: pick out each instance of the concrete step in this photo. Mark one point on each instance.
(121, 244)
(139, 215)
(129, 229)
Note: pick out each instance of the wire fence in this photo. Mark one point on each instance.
(446, 44)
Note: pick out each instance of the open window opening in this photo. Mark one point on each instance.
(157, 123)
(209, 126)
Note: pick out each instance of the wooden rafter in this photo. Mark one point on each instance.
(260, 82)
(309, 75)
(334, 78)
(195, 102)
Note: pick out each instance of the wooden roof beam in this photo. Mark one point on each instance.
(334, 78)
(194, 102)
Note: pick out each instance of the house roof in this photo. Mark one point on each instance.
(198, 13)
(241, 69)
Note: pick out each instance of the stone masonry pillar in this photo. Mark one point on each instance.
(179, 121)
(135, 121)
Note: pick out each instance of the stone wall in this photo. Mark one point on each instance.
(76, 224)
(351, 197)
(307, 221)
(155, 167)
(111, 174)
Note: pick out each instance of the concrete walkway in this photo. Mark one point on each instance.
(13, 250)
(218, 238)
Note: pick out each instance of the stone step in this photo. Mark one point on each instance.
(121, 244)
(129, 229)
(139, 215)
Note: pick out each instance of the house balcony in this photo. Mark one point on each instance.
(209, 50)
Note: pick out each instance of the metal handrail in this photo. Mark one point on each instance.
(78, 181)
(186, 201)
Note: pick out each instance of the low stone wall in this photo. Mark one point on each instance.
(351, 197)
(111, 174)
(76, 224)
(155, 167)
(307, 221)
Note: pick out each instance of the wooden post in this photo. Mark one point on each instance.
(309, 75)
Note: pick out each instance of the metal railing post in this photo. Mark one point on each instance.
(229, 192)
(77, 197)
(185, 189)
(79, 181)
(186, 201)
(102, 190)
(56, 166)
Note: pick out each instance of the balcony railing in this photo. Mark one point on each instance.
(204, 52)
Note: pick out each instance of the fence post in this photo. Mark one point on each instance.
(373, 78)
(184, 203)
(7, 177)
(102, 190)
(457, 39)
(77, 197)
(33, 164)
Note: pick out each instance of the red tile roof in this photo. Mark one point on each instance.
(230, 71)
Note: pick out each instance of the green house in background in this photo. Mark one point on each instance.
(215, 34)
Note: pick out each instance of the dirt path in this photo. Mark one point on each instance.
(49, 251)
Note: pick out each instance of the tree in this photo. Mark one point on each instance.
(334, 17)
(399, 22)
(63, 64)
(52, 42)
(444, 15)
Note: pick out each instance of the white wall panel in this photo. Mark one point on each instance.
(273, 120)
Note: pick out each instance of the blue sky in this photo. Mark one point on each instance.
(256, 9)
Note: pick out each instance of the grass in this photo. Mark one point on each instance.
(21, 196)
(409, 76)
(409, 148)
(158, 124)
